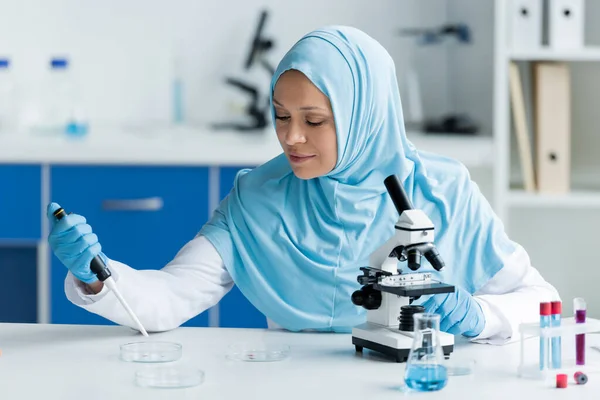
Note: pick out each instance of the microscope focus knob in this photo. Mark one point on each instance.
(367, 297)
(373, 300)
(358, 298)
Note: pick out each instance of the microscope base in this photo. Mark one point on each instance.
(391, 341)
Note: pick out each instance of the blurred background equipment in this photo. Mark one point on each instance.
(415, 118)
(257, 109)
(60, 109)
(8, 109)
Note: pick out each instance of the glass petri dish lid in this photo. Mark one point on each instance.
(258, 352)
(459, 366)
(151, 352)
(165, 377)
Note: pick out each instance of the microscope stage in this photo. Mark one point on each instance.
(392, 341)
(416, 290)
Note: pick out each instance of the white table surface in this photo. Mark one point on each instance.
(82, 362)
(195, 146)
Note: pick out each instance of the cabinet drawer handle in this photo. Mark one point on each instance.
(148, 204)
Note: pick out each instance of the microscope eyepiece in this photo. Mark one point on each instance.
(397, 193)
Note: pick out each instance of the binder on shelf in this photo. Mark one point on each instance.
(525, 24)
(566, 24)
(521, 130)
(552, 122)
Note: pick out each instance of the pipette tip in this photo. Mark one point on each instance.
(112, 286)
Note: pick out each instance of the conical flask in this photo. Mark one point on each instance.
(425, 371)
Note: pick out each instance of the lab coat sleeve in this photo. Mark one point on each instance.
(195, 280)
(512, 297)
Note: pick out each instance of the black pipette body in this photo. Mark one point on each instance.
(97, 266)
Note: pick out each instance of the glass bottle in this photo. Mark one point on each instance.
(61, 107)
(425, 371)
(7, 97)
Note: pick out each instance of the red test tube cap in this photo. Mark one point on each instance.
(556, 307)
(545, 308)
(561, 381)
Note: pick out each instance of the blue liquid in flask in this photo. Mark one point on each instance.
(426, 378)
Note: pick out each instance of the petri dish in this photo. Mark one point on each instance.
(150, 352)
(166, 377)
(258, 352)
(459, 366)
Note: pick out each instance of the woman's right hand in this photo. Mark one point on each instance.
(74, 244)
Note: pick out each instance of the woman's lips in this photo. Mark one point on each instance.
(300, 158)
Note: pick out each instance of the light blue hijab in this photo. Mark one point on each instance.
(294, 247)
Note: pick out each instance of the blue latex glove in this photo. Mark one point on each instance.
(459, 312)
(74, 243)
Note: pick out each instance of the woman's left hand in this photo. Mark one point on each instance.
(459, 312)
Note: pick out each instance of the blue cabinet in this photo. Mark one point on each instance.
(20, 229)
(20, 202)
(235, 311)
(142, 216)
(18, 285)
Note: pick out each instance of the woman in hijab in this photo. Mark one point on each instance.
(293, 233)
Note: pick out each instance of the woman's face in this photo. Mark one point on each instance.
(305, 126)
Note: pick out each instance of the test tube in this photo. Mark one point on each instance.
(556, 309)
(545, 311)
(580, 311)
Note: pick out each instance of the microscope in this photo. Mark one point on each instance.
(387, 293)
(258, 107)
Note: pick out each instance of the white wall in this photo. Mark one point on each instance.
(121, 49)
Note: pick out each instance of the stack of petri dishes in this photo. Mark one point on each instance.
(162, 371)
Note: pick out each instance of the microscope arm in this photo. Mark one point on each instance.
(259, 119)
(244, 86)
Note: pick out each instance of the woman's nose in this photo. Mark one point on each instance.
(294, 135)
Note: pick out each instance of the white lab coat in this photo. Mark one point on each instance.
(196, 279)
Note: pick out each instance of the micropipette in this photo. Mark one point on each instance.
(104, 275)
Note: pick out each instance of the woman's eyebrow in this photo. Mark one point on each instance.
(308, 108)
(304, 108)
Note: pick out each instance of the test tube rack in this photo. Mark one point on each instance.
(529, 366)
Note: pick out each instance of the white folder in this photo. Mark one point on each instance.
(565, 24)
(525, 18)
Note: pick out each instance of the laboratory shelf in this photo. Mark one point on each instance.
(589, 53)
(573, 199)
